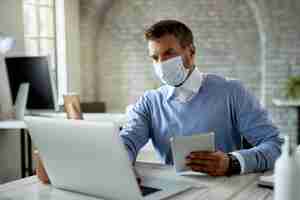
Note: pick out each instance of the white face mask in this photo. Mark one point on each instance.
(171, 72)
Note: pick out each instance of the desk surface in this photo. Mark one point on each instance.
(12, 124)
(204, 187)
(115, 117)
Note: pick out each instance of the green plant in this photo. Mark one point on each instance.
(293, 87)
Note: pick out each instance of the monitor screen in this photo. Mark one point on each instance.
(35, 71)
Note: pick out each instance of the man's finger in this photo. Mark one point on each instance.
(201, 155)
(202, 152)
(200, 168)
(139, 181)
(200, 162)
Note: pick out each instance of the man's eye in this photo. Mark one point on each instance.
(170, 53)
(155, 58)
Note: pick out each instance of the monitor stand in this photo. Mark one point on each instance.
(21, 101)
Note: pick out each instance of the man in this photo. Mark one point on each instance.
(191, 102)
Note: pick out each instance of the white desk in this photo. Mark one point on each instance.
(12, 124)
(237, 187)
(20, 125)
(115, 117)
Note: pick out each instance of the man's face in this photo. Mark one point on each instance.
(167, 47)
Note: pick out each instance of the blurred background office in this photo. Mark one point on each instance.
(97, 49)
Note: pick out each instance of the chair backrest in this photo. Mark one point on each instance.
(93, 107)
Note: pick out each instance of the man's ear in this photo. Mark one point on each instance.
(193, 50)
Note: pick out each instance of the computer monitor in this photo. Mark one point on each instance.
(35, 71)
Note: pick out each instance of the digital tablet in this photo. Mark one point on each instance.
(182, 146)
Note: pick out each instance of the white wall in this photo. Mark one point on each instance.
(73, 44)
(68, 46)
(11, 16)
(11, 23)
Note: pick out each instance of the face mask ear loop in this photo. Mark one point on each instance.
(189, 74)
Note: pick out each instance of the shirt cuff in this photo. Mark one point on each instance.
(241, 160)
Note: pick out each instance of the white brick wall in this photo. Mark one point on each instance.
(226, 38)
(116, 68)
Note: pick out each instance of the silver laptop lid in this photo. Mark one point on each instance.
(84, 156)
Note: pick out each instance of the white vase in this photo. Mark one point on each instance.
(287, 174)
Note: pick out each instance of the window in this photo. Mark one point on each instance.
(39, 30)
(52, 29)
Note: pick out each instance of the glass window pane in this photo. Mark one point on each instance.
(46, 22)
(48, 49)
(31, 47)
(30, 20)
(46, 2)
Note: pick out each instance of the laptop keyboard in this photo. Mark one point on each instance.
(148, 190)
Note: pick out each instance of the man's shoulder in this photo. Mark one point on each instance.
(217, 81)
(159, 93)
(229, 87)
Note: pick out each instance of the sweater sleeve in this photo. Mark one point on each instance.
(135, 134)
(254, 124)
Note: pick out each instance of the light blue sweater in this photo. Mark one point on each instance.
(222, 106)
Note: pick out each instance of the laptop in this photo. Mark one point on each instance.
(90, 158)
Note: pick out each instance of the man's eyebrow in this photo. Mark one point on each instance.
(155, 54)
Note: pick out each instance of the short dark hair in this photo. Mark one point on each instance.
(172, 27)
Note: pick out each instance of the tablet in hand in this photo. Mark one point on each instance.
(182, 146)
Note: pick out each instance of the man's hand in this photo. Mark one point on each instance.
(73, 112)
(137, 176)
(212, 163)
(40, 170)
